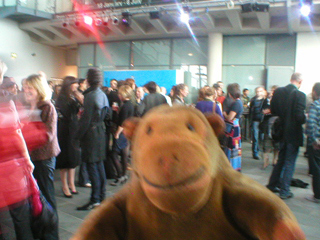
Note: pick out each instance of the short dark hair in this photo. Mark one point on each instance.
(81, 80)
(245, 89)
(216, 86)
(94, 77)
(234, 90)
(316, 89)
(151, 87)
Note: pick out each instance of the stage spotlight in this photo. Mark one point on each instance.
(77, 23)
(261, 7)
(98, 22)
(155, 15)
(105, 21)
(185, 15)
(247, 7)
(115, 20)
(126, 19)
(305, 8)
(88, 20)
(65, 24)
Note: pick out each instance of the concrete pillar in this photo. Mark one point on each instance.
(215, 42)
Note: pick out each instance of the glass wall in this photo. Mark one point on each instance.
(188, 52)
(113, 55)
(161, 54)
(246, 59)
(151, 53)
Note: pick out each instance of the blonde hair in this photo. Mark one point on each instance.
(126, 91)
(40, 85)
(3, 69)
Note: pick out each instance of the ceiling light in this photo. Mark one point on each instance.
(88, 20)
(105, 21)
(185, 15)
(126, 19)
(247, 7)
(98, 22)
(115, 20)
(14, 55)
(261, 7)
(155, 15)
(305, 8)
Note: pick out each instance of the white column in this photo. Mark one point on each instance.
(215, 42)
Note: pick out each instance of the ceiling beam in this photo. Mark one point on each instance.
(208, 21)
(235, 18)
(264, 19)
(137, 27)
(77, 32)
(116, 29)
(159, 25)
(41, 34)
(58, 32)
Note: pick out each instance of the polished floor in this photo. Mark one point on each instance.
(307, 213)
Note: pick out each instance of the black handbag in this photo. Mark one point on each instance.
(277, 130)
(44, 218)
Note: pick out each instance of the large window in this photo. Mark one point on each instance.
(244, 50)
(86, 52)
(247, 58)
(151, 53)
(113, 55)
(189, 52)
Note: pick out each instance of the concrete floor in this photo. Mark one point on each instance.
(307, 213)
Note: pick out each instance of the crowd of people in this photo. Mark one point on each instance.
(83, 126)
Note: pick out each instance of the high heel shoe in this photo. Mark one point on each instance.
(66, 195)
(74, 192)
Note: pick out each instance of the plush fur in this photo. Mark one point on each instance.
(183, 187)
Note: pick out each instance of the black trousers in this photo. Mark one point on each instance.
(314, 160)
(21, 218)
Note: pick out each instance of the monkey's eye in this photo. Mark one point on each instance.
(149, 130)
(190, 127)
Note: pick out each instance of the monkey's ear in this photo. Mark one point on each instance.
(129, 127)
(217, 123)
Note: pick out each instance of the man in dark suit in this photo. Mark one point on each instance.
(289, 104)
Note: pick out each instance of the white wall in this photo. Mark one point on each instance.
(308, 59)
(48, 59)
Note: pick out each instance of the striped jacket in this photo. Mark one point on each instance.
(313, 122)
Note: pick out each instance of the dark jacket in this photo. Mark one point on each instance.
(289, 104)
(91, 131)
(256, 114)
(150, 101)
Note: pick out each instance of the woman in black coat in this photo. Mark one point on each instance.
(68, 105)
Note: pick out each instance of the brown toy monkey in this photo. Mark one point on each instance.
(183, 187)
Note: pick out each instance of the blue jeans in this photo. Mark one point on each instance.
(43, 173)
(98, 180)
(314, 160)
(256, 137)
(83, 174)
(284, 169)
